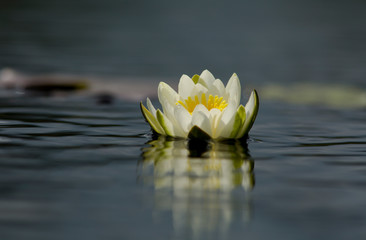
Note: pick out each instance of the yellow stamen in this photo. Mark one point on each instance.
(203, 99)
(197, 101)
(210, 103)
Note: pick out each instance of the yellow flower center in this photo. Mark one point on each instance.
(212, 102)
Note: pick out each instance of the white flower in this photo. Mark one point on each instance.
(202, 108)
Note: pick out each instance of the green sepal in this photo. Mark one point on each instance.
(198, 133)
(251, 118)
(163, 122)
(154, 124)
(255, 110)
(195, 78)
(238, 122)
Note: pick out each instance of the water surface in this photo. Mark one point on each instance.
(72, 168)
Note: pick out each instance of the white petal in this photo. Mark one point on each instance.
(167, 96)
(227, 114)
(214, 114)
(184, 118)
(178, 131)
(226, 121)
(251, 110)
(218, 89)
(201, 108)
(249, 107)
(168, 108)
(214, 117)
(201, 119)
(206, 78)
(168, 92)
(198, 90)
(170, 126)
(170, 114)
(233, 89)
(185, 86)
(151, 107)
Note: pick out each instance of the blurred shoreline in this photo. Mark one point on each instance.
(138, 89)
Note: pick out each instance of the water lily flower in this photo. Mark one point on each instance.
(202, 108)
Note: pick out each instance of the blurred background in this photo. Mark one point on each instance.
(282, 41)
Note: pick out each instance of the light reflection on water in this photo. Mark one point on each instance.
(204, 185)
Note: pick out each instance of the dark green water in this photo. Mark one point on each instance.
(70, 169)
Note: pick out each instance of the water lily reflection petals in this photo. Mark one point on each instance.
(186, 168)
(203, 106)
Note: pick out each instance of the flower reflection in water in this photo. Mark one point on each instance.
(204, 184)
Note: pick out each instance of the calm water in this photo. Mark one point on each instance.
(71, 168)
